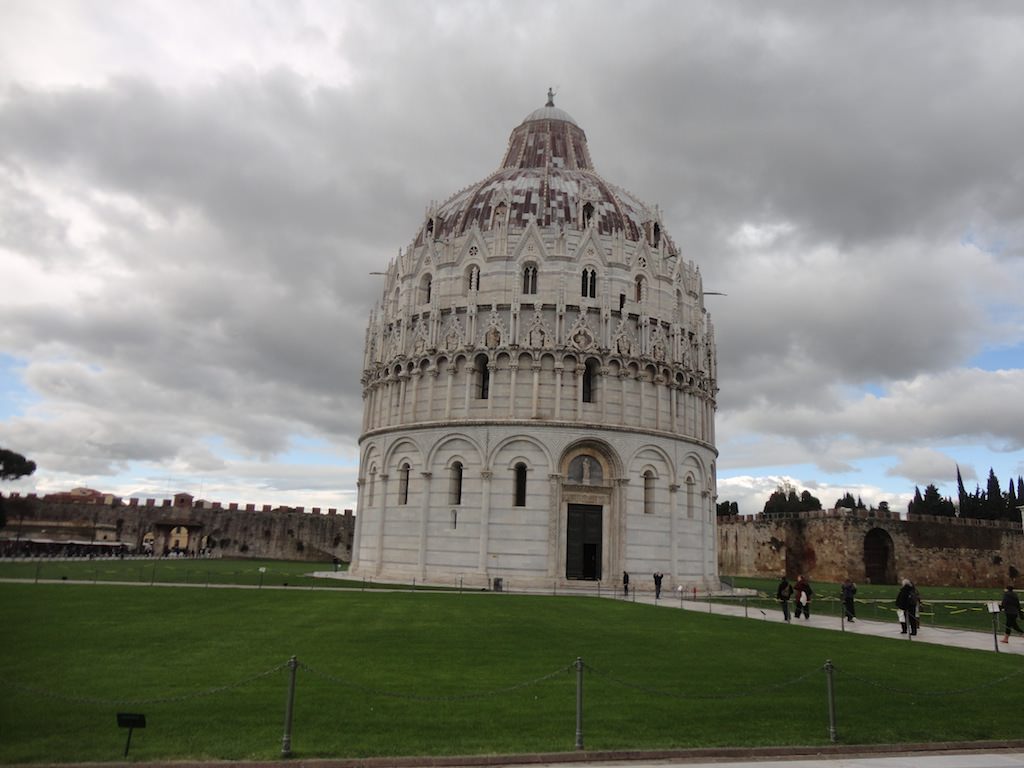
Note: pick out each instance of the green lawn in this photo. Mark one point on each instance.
(393, 673)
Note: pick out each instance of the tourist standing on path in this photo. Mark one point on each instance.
(657, 584)
(849, 590)
(625, 584)
(907, 601)
(1011, 607)
(782, 594)
(803, 597)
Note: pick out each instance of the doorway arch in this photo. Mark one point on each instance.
(589, 541)
(879, 557)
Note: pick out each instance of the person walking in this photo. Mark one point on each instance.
(1011, 607)
(849, 590)
(783, 594)
(657, 584)
(907, 601)
(803, 597)
(625, 584)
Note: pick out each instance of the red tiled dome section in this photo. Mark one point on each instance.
(547, 176)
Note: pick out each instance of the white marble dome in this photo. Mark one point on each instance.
(539, 387)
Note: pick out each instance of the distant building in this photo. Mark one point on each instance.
(539, 386)
(89, 523)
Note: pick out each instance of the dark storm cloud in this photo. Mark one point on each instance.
(848, 174)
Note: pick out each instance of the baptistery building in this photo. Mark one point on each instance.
(539, 386)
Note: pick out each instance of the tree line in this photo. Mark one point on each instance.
(990, 504)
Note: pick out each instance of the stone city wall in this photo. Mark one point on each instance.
(879, 547)
(236, 531)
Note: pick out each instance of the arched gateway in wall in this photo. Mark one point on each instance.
(879, 557)
(539, 386)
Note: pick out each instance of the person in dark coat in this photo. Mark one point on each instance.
(1011, 607)
(657, 584)
(783, 594)
(625, 584)
(907, 601)
(849, 590)
(803, 597)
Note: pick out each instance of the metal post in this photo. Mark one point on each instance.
(286, 740)
(995, 631)
(745, 614)
(831, 701)
(579, 703)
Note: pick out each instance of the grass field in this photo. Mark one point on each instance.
(393, 673)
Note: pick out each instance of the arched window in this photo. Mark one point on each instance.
(403, 484)
(425, 289)
(588, 213)
(369, 487)
(520, 491)
(483, 378)
(588, 285)
(589, 380)
(473, 278)
(530, 279)
(639, 288)
(648, 492)
(455, 484)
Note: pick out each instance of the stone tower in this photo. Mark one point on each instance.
(539, 386)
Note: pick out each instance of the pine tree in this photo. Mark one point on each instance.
(846, 501)
(995, 505)
(916, 505)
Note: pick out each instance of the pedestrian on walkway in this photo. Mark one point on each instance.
(783, 594)
(849, 590)
(657, 584)
(907, 602)
(625, 584)
(803, 597)
(1011, 607)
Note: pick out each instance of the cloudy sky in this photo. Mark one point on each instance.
(193, 195)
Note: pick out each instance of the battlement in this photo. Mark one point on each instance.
(844, 513)
(179, 501)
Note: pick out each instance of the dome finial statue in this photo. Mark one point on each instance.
(551, 98)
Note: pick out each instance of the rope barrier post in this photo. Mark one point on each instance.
(579, 703)
(995, 628)
(745, 614)
(831, 701)
(286, 740)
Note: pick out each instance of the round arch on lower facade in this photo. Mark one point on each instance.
(589, 506)
(879, 557)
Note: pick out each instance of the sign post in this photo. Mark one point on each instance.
(131, 721)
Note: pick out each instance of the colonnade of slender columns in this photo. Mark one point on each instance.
(659, 404)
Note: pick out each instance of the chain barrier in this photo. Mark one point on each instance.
(950, 692)
(686, 696)
(418, 697)
(28, 689)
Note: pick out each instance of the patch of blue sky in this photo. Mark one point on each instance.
(219, 447)
(994, 245)
(314, 450)
(999, 358)
(15, 397)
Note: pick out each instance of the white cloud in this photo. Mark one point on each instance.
(192, 195)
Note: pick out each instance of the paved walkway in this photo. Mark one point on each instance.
(955, 638)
